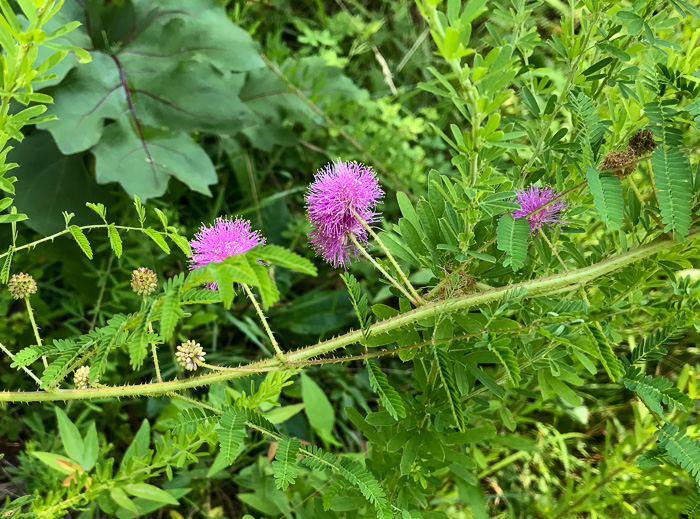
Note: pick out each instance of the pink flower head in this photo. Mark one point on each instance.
(222, 240)
(338, 193)
(534, 197)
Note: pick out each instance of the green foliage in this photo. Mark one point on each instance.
(359, 303)
(607, 196)
(604, 351)
(681, 449)
(231, 432)
(654, 390)
(672, 175)
(81, 239)
(170, 310)
(285, 463)
(512, 236)
(484, 397)
(653, 346)
(445, 371)
(389, 397)
(191, 419)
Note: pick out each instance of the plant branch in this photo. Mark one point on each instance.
(381, 269)
(534, 288)
(393, 261)
(25, 368)
(261, 315)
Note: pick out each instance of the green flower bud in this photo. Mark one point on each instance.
(188, 354)
(144, 281)
(21, 285)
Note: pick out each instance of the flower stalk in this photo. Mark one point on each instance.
(263, 320)
(382, 270)
(416, 296)
(35, 328)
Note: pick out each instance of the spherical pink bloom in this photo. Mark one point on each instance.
(338, 195)
(534, 197)
(222, 240)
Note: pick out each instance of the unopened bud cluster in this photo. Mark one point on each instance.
(81, 378)
(144, 281)
(21, 285)
(189, 354)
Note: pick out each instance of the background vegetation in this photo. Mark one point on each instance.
(577, 402)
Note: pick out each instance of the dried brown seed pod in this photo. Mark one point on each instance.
(622, 163)
(642, 143)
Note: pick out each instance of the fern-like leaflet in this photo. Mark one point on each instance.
(692, 505)
(652, 348)
(285, 464)
(81, 240)
(512, 238)
(590, 128)
(507, 358)
(672, 172)
(445, 371)
(170, 310)
(189, 420)
(69, 351)
(231, 432)
(354, 473)
(655, 390)
(389, 397)
(359, 303)
(607, 196)
(681, 449)
(604, 351)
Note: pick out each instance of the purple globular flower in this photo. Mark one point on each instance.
(533, 198)
(338, 193)
(222, 240)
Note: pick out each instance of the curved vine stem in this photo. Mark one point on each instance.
(533, 288)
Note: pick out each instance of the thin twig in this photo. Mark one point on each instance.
(266, 326)
(25, 368)
(554, 249)
(381, 269)
(418, 299)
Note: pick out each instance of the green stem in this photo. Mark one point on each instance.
(25, 368)
(217, 368)
(534, 288)
(263, 320)
(382, 270)
(194, 402)
(154, 351)
(390, 257)
(35, 328)
(66, 231)
(553, 249)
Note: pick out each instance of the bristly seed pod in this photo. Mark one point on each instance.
(642, 143)
(144, 281)
(621, 162)
(21, 285)
(189, 354)
(81, 377)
